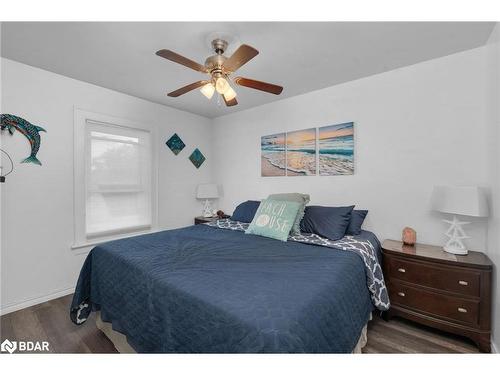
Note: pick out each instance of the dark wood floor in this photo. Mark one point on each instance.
(402, 336)
(50, 322)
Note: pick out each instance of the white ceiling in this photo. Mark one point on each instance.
(302, 57)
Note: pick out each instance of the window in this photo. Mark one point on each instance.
(113, 178)
(118, 179)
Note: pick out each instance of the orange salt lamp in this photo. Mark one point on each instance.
(409, 236)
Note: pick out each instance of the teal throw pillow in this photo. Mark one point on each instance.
(302, 199)
(274, 219)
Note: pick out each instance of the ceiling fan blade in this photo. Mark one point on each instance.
(258, 85)
(241, 56)
(187, 88)
(175, 57)
(231, 102)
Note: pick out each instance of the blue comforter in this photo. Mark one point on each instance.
(202, 289)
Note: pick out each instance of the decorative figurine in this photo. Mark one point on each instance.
(409, 236)
(30, 131)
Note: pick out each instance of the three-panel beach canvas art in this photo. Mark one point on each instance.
(327, 151)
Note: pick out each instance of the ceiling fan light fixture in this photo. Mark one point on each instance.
(219, 69)
(230, 94)
(221, 85)
(208, 90)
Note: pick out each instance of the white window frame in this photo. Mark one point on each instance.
(81, 117)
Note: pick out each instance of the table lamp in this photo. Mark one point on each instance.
(459, 200)
(207, 192)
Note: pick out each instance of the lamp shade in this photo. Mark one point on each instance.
(207, 191)
(208, 90)
(460, 200)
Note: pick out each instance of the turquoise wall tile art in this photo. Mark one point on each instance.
(197, 158)
(175, 144)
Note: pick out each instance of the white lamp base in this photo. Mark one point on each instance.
(456, 234)
(207, 209)
(455, 250)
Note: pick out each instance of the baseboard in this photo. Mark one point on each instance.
(34, 301)
(494, 348)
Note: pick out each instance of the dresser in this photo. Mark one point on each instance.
(445, 291)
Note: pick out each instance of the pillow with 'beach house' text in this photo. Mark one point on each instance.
(302, 199)
(274, 219)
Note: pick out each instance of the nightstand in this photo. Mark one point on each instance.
(202, 219)
(445, 291)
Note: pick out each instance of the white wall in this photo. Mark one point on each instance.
(415, 127)
(1, 159)
(494, 170)
(37, 202)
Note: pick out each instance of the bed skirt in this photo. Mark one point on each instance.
(122, 346)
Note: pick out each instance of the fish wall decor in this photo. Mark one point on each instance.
(30, 131)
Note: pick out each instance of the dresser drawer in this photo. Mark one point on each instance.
(444, 306)
(446, 278)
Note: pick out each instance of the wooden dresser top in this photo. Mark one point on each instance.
(436, 254)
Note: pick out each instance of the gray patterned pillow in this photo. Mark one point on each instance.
(302, 199)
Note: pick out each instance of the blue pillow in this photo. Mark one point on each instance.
(357, 218)
(245, 211)
(328, 222)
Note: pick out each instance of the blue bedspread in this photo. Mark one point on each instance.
(202, 289)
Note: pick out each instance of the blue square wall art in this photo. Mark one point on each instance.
(197, 158)
(175, 144)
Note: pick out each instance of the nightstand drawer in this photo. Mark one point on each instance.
(452, 279)
(443, 306)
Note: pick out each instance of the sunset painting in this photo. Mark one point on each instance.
(272, 157)
(301, 153)
(336, 149)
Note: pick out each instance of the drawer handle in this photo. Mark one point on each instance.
(401, 294)
(462, 282)
(462, 310)
(402, 270)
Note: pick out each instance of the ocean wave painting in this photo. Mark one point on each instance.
(336, 149)
(301, 153)
(273, 156)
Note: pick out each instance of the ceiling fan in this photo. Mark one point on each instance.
(220, 67)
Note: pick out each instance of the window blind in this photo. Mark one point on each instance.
(117, 179)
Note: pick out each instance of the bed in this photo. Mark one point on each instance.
(214, 289)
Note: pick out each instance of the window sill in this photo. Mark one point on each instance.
(99, 241)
